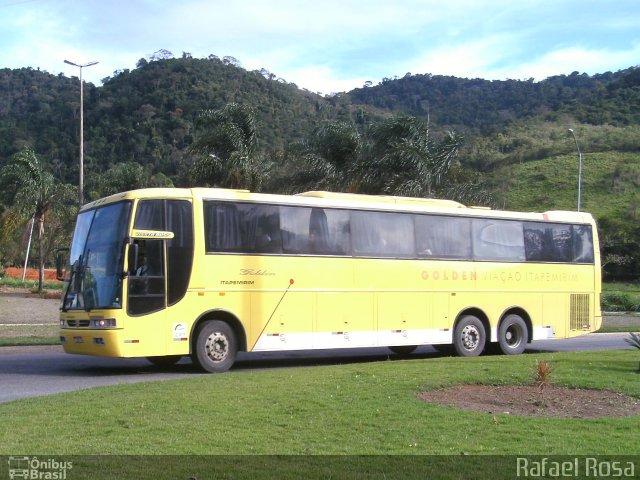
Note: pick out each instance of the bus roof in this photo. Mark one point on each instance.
(409, 201)
(345, 200)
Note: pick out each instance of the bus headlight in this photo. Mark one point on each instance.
(103, 323)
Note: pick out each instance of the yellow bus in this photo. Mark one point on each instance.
(164, 273)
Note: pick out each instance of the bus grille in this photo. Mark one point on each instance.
(78, 323)
(579, 312)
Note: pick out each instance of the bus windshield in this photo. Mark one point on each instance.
(94, 278)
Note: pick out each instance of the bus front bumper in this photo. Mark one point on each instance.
(103, 343)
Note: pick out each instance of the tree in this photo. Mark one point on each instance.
(324, 161)
(30, 191)
(227, 149)
(404, 159)
(120, 178)
(395, 157)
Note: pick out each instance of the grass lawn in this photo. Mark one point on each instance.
(619, 329)
(28, 341)
(11, 282)
(353, 409)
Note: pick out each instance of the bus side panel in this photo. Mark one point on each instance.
(555, 312)
(403, 318)
(441, 320)
(281, 320)
(144, 335)
(304, 302)
(345, 320)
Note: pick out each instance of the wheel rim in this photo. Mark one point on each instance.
(513, 336)
(217, 347)
(470, 337)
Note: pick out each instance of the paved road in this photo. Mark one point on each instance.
(36, 371)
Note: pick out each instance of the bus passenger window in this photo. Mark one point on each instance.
(443, 237)
(381, 234)
(582, 244)
(268, 238)
(498, 240)
(552, 242)
(318, 232)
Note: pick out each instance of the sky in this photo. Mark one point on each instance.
(328, 46)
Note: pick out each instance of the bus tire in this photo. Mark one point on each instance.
(403, 349)
(215, 347)
(513, 335)
(469, 337)
(165, 360)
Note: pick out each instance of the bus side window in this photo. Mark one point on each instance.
(382, 234)
(268, 237)
(443, 237)
(498, 240)
(582, 244)
(319, 241)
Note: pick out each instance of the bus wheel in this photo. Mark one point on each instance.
(403, 349)
(165, 361)
(216, 347)
(513, 335)
(469, 337)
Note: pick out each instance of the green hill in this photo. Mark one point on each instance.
(610, 184)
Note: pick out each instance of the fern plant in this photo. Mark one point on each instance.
(634, 341)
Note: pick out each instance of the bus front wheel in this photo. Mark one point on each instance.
(215, 347)
(513, 335)
(469, 337)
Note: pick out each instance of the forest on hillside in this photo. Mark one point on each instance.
(187, 121)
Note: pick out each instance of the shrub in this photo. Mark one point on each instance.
(618, 302)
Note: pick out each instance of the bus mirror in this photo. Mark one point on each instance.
(61, 260)
(132, 259)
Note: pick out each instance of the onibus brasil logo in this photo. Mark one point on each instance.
(33, 468)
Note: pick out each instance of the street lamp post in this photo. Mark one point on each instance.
(579, 167)
(81, 183)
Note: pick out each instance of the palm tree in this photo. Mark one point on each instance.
(336, 142)
(30, 191)
(227, 148)
(324, 161)
(404, 159)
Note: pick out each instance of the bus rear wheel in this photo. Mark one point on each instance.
(513, 335)
(215, 347)
(469, 336)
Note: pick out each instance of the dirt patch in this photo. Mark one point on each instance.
(20, 306)
(31, 274)
(524, 400)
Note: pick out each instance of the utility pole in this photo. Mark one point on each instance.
(81, 182)
(579, 168)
